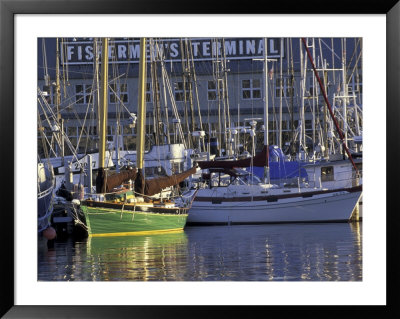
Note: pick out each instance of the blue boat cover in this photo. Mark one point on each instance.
(279, 168)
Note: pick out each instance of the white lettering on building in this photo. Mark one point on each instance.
(174, 50)
(206, 48)
(134, 51)
(70, 52)
(272, 46)
(230, 47)
(89, 53)
(121, 52)
(195, 48)
(250, 46)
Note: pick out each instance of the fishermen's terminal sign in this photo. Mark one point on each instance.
(201, 49)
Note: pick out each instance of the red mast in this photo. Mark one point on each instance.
(329, 105)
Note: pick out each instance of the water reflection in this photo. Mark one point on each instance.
(139, 258)
(296, 252)
(319, 252)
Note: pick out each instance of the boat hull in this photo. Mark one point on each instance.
(329, 207)
(102, 222)
(45, 208)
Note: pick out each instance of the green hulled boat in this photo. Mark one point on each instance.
(117, 209)
(125, 219)
(122, 214)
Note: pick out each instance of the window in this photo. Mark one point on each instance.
(83, 94)
(327, 174)
(155, 171)
(283, 86)
(179, 91)
(118, 92)
(149, 92)
(251, 89)
(93, 130)
(312, 90)
(212, 90)
(177, 167)
(72, 131)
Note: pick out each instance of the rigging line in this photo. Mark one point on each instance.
(330, 49)
(329, 106)
(354, 68)
(353, 55)
(84, 121)
(173, 103)
(48, 142)
(43, 137)
(69, 144)
(82, 73)
(196, 89)
(161, 56)
(44, 59)
(72, 102)
(226, 93)
(185, 107)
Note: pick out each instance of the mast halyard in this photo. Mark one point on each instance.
(141, 121)
(103, 102)
(266, 128)
(341, 135)
(58, 102)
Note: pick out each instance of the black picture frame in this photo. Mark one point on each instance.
(8, 10)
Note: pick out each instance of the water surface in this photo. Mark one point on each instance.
(281, 252)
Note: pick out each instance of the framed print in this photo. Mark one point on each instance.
(82, 279)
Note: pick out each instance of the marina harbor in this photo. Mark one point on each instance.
(200, 159)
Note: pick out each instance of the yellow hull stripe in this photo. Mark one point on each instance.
(138, 233)
(118, 211)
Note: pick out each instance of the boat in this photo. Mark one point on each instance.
(232, 196)
(236, 196)
(123, 204)
(45, 184)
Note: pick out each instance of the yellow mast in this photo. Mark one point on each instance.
(141, 106)
(103, 102)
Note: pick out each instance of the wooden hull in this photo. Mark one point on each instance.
(328, 207)
(128, 221)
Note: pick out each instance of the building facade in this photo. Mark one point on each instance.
(213, 85)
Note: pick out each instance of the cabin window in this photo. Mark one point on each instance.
(83, 94)
(212, 90)
(118, 92)
(155, 171)
(176, 167)
(251, 89)
(327, 174)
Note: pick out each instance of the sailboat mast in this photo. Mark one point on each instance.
(281, 94)
(103, 103)
(266, 128)
(141, 106)
(329, 105)
(58, 102)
